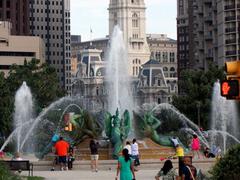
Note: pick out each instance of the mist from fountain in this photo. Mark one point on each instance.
(224, 118)
(31, 124)
(23, 112)
(117, 74)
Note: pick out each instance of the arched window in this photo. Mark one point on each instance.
(172, 69)
(165, 69)
(135, 20)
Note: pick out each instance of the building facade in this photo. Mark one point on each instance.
(207, 32)
(154, 80)
(130, 17)
(17, 49)
(164, 50)
(50, 20)
(16, 12)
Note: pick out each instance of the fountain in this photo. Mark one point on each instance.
(23, 113)
(117, 75)
(224, 119)
(120, 95)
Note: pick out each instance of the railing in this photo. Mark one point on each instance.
(230, 53)
(230, 41)
(233, 29)
(230, 18)
(228, 7)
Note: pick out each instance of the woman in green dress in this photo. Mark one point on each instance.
(125, 167)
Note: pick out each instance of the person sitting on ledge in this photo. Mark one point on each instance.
(17, 157)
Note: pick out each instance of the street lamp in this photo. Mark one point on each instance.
(198, 112)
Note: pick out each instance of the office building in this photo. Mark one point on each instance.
(50, 20)
(16, 49)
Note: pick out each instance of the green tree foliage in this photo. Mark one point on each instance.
(228, 167)
(5, 174)
(197, 91)
(42, 80)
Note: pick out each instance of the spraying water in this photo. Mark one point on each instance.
(23, 112)
(31, 124)
(117, 74)
(224, 117)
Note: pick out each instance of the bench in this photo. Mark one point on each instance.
(22, 165)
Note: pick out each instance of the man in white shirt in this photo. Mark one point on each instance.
(135, 152)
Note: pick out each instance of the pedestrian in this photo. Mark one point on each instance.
(62, 147)
(179, 151)
(94, 155)
(125, 167)
(175, 141)
(55, 158)
(128, 147)
(1, 155)
(187, 170)
(54, 140)
(71, 158)
(195, 145)
(135, 152)
(167, 172)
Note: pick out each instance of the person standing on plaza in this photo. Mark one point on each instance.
(71, 158)
(167, 172)
(62, 147)
(195, 145)
(187, 170)
(135, 152)
(125, 167)
(128, 147)
(94, 155)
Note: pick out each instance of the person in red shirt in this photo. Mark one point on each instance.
(62, 150)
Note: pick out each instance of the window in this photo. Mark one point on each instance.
(165, 56)
(135, 20)
(172, 57)
(158, 56)
(8, 4)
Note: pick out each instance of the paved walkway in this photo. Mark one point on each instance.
(88, 175)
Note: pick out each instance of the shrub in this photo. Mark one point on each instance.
(228, 167)
(5, 174)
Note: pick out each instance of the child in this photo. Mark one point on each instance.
(70, 158)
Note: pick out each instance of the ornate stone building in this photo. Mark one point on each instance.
(130, 16)
(153, 81)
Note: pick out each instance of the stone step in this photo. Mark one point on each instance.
(112, 164)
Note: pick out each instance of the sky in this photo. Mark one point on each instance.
(93, 14)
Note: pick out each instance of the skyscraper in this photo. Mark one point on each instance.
(50, 19)
(208, 32)
(16, 12)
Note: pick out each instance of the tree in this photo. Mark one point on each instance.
(5, 107)
(197, 91)
(228, 167)
(43, 82)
